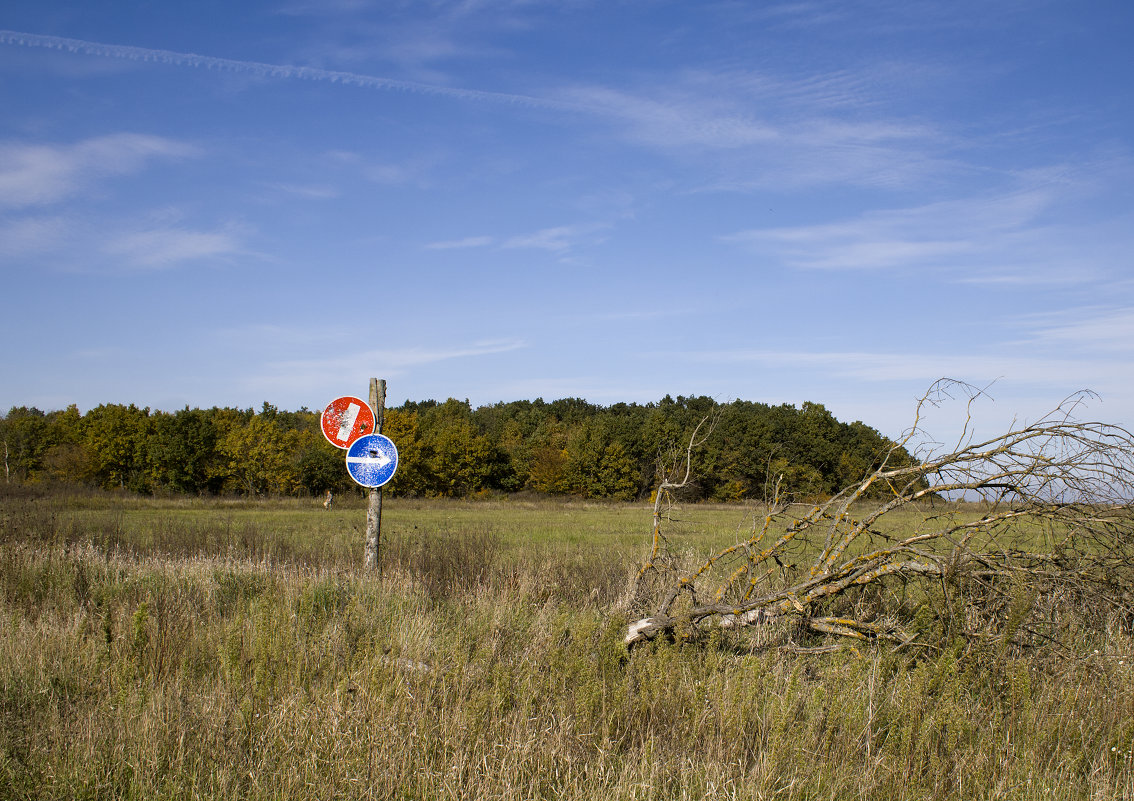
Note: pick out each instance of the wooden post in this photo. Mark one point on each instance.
(374, 509)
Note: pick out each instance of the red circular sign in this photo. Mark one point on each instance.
(345, 420)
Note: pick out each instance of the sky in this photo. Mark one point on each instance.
(220, 204)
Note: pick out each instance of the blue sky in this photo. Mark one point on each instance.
(224, 203)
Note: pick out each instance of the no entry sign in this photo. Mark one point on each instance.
(345, 420)
(372, 459)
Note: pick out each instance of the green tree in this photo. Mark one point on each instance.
(66, 457)
(596, 466)
(263, 456)
(115, 437)
(321, 467)
(461, 460)
(412, 476)
(514, 446)
(546, 457)
(181, 451)
(24, 431)
(220, 469)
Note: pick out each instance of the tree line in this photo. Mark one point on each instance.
(564, 447)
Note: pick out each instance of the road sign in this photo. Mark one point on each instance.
(345, 420)
(372, 459)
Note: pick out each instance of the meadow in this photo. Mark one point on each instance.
(214, 648)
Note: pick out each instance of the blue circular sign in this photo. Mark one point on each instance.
(372, 459)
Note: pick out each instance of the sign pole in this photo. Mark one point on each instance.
(374, 509)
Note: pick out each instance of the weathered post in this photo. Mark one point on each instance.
(374, 509)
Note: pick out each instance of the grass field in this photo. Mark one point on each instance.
(235, 649)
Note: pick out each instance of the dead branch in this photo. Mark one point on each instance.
(998, 535)
(675, 476)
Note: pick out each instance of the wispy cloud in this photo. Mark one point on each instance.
(994, 238)
(1097, 329)
(319, 7)
(768, 130)
(83, 244)
(799, 14)
(421, 39)
(921, 369)
(675, 122)
(36, 175)
(164, 248)
(263, 70)
(31, 235)
(338, 349)
(412, 357)
(308, 191)
(354, 366)
(458, 244)
(559, 239)
(902, 16)
(413, 170)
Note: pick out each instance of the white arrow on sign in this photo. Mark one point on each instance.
(376, 457)
(372, 460)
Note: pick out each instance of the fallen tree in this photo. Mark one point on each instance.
(992, 541)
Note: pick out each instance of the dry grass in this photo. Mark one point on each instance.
(213, 652)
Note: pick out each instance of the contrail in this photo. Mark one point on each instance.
(263, 70)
